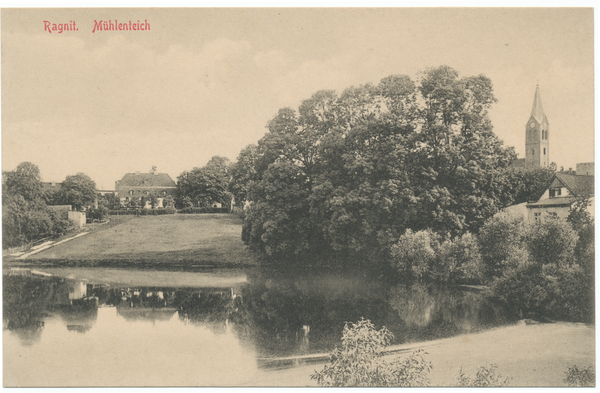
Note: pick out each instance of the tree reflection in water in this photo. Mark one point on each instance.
(277, 314)
(430, 311)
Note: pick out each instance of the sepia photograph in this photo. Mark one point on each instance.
(298, 197)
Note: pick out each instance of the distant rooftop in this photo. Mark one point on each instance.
(146, 180)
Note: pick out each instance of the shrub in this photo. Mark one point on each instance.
(359, 361)
(485, 377)
(460, 260)
(420, 255)
(552, 242)
(579, 378)
(501, 242)
(414, 253)
(200, 210)
(143, 212)
(98, 214)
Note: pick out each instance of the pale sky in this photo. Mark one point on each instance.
(204, 82)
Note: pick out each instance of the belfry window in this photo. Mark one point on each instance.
(544, 151)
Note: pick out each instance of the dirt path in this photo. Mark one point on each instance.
(533, 355)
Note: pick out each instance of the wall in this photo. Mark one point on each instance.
(78, 218)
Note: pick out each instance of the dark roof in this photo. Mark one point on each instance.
(146, 180)
(558, 201)
(577, 185)
(518, 163)
(50, 186)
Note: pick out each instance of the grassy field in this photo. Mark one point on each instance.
(204, 239)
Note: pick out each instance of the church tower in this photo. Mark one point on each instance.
(537, 146)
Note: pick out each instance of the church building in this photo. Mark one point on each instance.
(565, 187)
(537, 141)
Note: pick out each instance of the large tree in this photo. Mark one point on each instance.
(24, 180)
(369, 163)
(78, 191)
(244, 174)
(25, 216)
(205, 185)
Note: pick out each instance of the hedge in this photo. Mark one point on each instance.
(142, 212)
(158, 212)
(198, 210)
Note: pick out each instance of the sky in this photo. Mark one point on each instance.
(203, 81)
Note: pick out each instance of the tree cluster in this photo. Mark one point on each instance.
(343, 177)
(201, 187)
(543, 269)
(25, 215)
(78, 190)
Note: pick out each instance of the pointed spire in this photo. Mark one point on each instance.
(538, 111)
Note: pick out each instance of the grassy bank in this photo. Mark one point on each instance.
(532, 355)
(212, 239)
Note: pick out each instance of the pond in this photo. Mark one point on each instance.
(217, 328)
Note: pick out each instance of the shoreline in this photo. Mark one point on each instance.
(532, 355)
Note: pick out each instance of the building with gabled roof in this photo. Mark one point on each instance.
(564, 190)
(138, 185)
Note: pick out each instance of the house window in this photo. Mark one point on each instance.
(537, 216)
(533, 152)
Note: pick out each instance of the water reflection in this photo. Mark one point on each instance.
(271, 316)
(429, 311)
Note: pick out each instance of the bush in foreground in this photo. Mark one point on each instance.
(485, 377)
(359, 361)
(580, 378)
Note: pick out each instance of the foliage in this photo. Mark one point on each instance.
(344, 176)
(552, 242)
(24, 180)
(153, 201)
(576, 377)
(460, 260)
(99, 213)
(502, 243)
(134, 203)
(78, 191)
(168, 202)
(415, 253)
(542, 276)
(579, 216)
(359, 361)
(243, 174)
(525, 184)
(25, 216)
(200, 187)
(142, 212)
(421, 255)
(485, 377)
(110, 201)
(200, 210)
